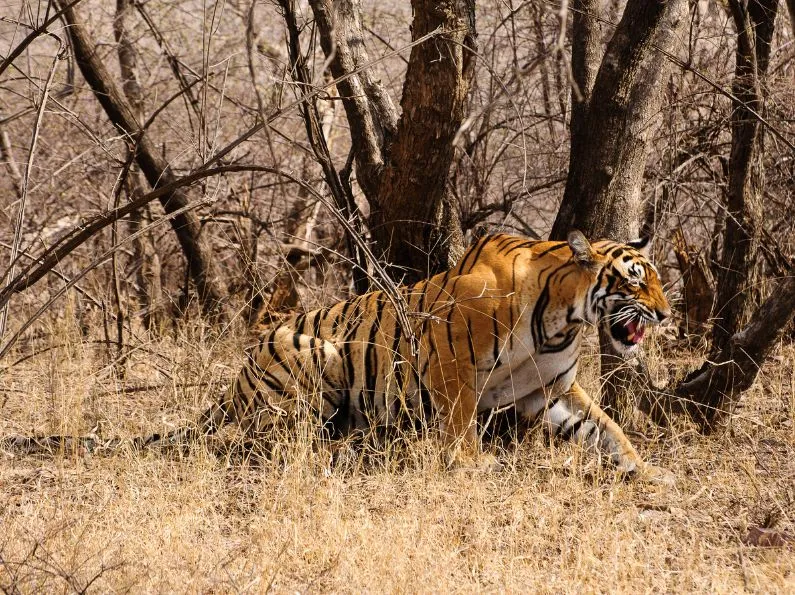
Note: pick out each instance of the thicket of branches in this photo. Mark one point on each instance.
(241, 159)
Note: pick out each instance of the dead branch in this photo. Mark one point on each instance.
(201, 264)
(7, 157)
(35, 34)
(340, 191)
(711, 393)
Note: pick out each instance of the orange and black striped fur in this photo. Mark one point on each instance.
(504, 326)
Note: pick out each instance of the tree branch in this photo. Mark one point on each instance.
(712, 392)
(119, 111)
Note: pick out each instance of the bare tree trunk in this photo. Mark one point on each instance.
(415, 221)
(742, 237)
(146, 260)
(186, 225)
(585, 53)
(611, 116)
(610, 132)
(402, 165)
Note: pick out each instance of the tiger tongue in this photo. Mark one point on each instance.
(635, 331)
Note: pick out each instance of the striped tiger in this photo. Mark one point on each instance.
(503, 327)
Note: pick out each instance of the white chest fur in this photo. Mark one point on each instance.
(524, 373)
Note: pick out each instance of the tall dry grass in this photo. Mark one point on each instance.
(554, 520)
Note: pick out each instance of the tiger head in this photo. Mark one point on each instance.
(627, 293)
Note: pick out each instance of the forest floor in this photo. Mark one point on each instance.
(553, 520)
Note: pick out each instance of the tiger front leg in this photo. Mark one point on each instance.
(457, 406)
(575, 416)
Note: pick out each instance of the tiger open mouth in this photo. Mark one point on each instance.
(629, 331)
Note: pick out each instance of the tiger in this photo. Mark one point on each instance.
(503, 327)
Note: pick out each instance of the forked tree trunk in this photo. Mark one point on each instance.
(402, 163)
(610, 125)
(201, 264)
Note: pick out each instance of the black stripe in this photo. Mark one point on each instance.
(597, 285)
(568, 339)
(571, 430)
(474, 251)
(617, 252)
(510, 303)
(319, 316)
(561, 374)
(370, 355)
(470, 343)
(395, 357)
(520, 246)
(557, 246)
(341, 317)
(245, 375)
(344, 410)
(537, 318)
(269, 341)
(503, 241)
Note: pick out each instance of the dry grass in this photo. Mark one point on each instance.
(552, 521)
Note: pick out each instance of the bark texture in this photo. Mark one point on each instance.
(201, 265)
(743, 234)
(609, 144)
(586, 41)
(402, 163)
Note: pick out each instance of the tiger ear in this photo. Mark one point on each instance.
(642, 245)
(581, 248)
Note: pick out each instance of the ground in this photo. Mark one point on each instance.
(553, 520)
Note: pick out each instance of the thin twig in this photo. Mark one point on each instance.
(25, 183)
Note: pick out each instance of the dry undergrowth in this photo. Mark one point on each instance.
(553, 521)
